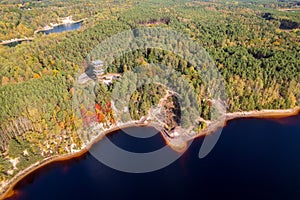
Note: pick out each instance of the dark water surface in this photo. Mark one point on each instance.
(253, 159)
(63, 28)
(13, 44)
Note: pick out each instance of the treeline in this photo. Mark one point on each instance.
(259, 62)
(36, 120)
(41, 105)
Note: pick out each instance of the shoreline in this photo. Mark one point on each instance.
(52, 26)
(257, 114)
(47, 28)
(8, 189)
(264, 113)
(6, 42)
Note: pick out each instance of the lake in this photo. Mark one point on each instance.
(56, 29)
(63, 28)
(13, 44)
(253, 159)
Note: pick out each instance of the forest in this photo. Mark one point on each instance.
(254, 45)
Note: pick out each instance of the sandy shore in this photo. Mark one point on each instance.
(7, 189)
(5, 42)
(264, 114)
(16, 40)
(289, 9)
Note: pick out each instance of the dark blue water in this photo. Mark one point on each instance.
(56, 29)
(13, 44)
(63, 28)
(254, 159)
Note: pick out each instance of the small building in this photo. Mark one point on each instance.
(98, 68)
(109, 78)
(98, 72)
(97, 63)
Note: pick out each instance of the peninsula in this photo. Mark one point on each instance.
(7, 188)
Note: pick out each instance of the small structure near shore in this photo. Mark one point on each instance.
(66, 20)
(98, 66)
(109, 78)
